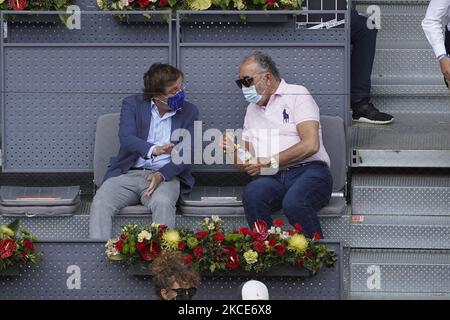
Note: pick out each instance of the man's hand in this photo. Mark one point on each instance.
(254, 169)
(445, 67)
(155, 180)
(164, 149)
(227, 142)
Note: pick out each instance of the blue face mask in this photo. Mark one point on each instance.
(251, 95)
(176, 102)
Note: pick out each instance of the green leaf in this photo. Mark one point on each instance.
(117, 257)
(14, 226)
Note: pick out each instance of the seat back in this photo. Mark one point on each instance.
(334, 140)
(106, 144)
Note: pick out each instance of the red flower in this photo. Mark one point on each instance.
(233, 258)
(201, 235)
(219, 237)
(298, 227)
(300, 262)
(162, 226)
(278, 223)
(245, 231)
(151, 251)
(187, 259)
(18, 4)
(7, 248)
(280, 249)
(29, 245)
(272, 241)
(163, 3)
(291, 232)
(119, 245)
(316, 236)
(260, 230)
(140, 246)
(198, 251)
(259, 246)
(143, 3)
(308, 253)
(181, 246)
(123, 236)
(271, 2)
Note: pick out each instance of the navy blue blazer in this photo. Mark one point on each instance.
(135, 117)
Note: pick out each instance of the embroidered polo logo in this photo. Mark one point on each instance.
(285, 116)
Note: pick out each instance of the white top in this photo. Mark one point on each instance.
(437, 15)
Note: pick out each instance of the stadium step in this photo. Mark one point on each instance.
(407, 194)
(401, 274)
(412, 140)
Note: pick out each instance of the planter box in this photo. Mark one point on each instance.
(33, 18)
(241, 18)
(288, 271)
(13, 271)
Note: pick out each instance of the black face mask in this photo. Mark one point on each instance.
(185, 294)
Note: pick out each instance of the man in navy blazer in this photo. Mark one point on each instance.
(144, 171)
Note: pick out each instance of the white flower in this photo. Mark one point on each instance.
(285, 235)
(275, 230)
(206, 221)
(216, 219)
(211, 226)
(154, 225)
(101, 3)
(111, 249)
(123, 4)
(144, 235)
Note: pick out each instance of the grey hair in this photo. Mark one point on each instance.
(265, 62)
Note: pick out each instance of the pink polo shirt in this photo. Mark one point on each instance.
(272, 129)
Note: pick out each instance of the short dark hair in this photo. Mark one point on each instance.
(265, 62)
(157, 78)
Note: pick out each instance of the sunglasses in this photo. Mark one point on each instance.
(245, 81)
(186, 291)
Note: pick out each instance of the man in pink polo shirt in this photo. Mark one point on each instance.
(282, 132)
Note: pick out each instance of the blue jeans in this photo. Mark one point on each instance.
(301, 191)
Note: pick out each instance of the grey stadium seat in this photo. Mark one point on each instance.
(107, 145)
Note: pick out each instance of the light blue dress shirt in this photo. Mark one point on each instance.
(158, 134)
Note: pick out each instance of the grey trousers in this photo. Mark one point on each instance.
(128, 190)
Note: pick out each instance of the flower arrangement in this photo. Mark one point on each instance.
(46, 5)
(199, 4)
(16, 246)
(212, 249)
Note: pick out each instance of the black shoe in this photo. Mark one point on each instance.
(367, 113)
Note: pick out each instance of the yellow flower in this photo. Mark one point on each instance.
(239, 4)
(251, 256)
(6, 231)
(144, 235)
(171, 239)
(298, 243)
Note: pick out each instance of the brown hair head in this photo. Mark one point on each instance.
(158, 77)
(169, 268)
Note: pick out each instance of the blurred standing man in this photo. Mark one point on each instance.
(436, 17)
(364, 40)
